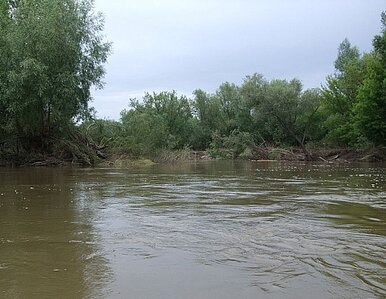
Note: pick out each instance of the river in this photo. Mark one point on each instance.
(215, 229)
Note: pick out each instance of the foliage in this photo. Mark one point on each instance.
(354, 98)
(370, 110)
(52, 53)
(236, 144)
(229, 122)
(102, 131)
(161, 121)
(281, 111)
(346, 54)
(340, 93)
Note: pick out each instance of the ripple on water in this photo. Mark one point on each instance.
(279, 231)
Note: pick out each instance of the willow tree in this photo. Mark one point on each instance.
(52, 52)
(290, 112)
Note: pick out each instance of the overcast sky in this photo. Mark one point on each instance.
(183, 45)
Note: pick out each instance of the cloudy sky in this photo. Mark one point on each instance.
(183, 45)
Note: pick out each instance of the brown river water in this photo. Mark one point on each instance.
(216, 229)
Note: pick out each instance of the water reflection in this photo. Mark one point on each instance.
(47, 245)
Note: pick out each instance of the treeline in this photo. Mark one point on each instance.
(348, 111)
(52, 52)
(227, 123)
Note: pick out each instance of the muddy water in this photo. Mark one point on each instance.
(208, 230)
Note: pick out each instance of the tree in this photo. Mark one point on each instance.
(346, 54)
(159, 121)
(310, 119)
(235, 108)
(176, 113)
(55, 54)
(370, 110)
(229, 98)
(143, 132)
(5, 65)
(289, 110)
(340, 93)
(252, 91)
(208, 114)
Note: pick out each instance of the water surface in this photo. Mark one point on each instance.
(206, 230)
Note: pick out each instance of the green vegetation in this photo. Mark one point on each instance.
(370, 109)
(52, 52)
(354, 98)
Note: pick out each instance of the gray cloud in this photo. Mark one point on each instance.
(184, 45)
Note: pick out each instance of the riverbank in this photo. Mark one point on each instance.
(320, 154)
(109, 158)
(328, 155)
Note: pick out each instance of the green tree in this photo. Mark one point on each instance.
(144, 132)
(289, 110)
(160, 121)
(221, 113)
(346, 54)
(341, 91)
(54, 53)
(5, 66)
(209, 118)
(102, 131)
(370, 111)
(175, 111)
(235, 108)
(310, 119)
(252, 91)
